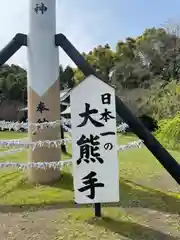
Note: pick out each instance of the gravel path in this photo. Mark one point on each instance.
(56, 223)
(52, 224)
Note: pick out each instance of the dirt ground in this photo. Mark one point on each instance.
(54, 223)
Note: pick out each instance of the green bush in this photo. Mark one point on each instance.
(168, 132)
(163, 100)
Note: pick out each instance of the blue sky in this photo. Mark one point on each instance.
(121, 18)
(88, 23)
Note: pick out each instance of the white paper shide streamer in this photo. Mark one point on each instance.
(11, 151)
(40, 126)
(61, 164)
(23, 144)
(37, 165)
(24, 125)
(34, 145)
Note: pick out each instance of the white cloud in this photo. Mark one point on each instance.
(76, 25)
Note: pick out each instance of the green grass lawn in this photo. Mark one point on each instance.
(136, 165)
(143, 183)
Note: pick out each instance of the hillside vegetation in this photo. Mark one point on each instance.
(145, 72)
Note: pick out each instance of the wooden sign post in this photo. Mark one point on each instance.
(94, 143)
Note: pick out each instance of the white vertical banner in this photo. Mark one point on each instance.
(94, 142)
(43, 55)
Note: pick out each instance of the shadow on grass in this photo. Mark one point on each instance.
(8, 177)
(65, 182)
(132, 196)
(136, 195)
(11, 180)
(131, 230)
(18, 182)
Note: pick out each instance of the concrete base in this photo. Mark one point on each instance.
(41, 176)
(44, 176)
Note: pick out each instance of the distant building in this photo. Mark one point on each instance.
(65, 103)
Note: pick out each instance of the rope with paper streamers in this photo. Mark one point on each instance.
(40, 126)
(25, 143)
(38, 165)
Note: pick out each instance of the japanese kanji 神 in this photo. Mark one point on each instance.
(40, 8)
(87, 116)
(89, 148)
(90, 182)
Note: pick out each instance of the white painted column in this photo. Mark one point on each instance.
(43, 85)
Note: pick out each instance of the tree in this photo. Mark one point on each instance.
(151, 59)
(78, 75)
(67, 79)
(172, 52)
(13, 83)
(126, 50)
(129, 70)
(102, 59)
(160, 49)
(162, 100)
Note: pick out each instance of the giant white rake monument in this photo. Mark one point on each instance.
(43, 84)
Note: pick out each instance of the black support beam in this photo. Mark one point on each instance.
(12, 47)
(163, 156)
